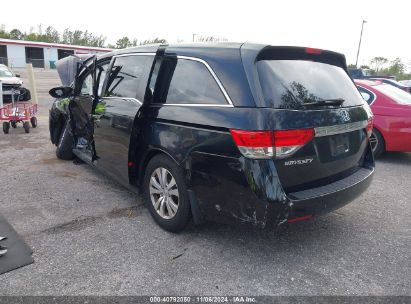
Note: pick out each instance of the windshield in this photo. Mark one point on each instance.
(288, 84)
(394, 93)
(5, 73)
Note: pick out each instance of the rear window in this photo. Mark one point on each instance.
(394, 93)
(288, 84)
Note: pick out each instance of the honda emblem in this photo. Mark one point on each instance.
(345, 116)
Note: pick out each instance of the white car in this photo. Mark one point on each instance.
(12, 84)
(406, 82)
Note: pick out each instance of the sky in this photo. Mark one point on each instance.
(333, 25)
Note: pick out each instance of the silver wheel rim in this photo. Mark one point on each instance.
(164, 193)
(373, 141)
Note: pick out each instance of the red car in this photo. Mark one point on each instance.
(392, 116)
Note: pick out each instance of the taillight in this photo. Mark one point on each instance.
(369, 127)
(271, 144)
(313, 51)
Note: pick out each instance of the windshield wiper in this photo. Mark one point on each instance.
(325, 102)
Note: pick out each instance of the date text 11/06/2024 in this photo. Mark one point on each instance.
(204, 299)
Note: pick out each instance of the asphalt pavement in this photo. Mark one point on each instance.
(91, 236)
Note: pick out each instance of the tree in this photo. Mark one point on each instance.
(378, 62)
(123, 43)
(51, 35)
(396, 68)
(16, 34)
(153, 41)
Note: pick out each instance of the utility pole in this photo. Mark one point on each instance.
(194, 36)
(359, 44)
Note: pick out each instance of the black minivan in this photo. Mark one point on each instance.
(232, 132)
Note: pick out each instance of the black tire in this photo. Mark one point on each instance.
(65, 144)
(13, 124)
(6, 127)
(26, 126)
(33, 121)
(377, 143)
(183, 214)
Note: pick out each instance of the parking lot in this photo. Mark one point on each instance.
(90, 236)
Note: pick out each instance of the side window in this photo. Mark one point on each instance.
(190, 82)
(101, 75)
(128, 76)
(87, 86)
(153, 79)
(366, 95)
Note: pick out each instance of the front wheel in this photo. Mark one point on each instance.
(65, 144)
(377, 143)
(166, 194)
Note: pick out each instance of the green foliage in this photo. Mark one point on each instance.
(378, 62)
(153, 41)
(78, 37)
(123, 43)
(72, 37)
(16, 34)
(396, 68)
(392, 68)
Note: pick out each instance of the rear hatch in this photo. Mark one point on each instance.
(310, 90)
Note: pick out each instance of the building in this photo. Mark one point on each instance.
(16, 53)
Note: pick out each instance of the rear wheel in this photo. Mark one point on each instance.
(377, 143)
(33, 121)
(166, 194)
(6, 127)
(65, 144)
(26, 126)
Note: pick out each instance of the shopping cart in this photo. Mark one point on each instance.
(16, 112)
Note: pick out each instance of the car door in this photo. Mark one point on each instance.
(115, 112)
(86, 94)
(81, 107)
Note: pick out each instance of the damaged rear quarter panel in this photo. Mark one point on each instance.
(238, 190)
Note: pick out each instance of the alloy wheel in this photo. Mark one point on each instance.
(164, 193)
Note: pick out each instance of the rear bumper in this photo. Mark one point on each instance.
(248, 192)
(328, 198)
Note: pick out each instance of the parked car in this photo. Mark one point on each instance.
(12, 84)
(392, 116)
(406, 83)
(366, 74)
(359, 73)
(393, 83)
(229, 132)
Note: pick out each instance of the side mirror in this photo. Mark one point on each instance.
(61, 92)
(17, 75)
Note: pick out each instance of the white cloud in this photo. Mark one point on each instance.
(324, 24)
